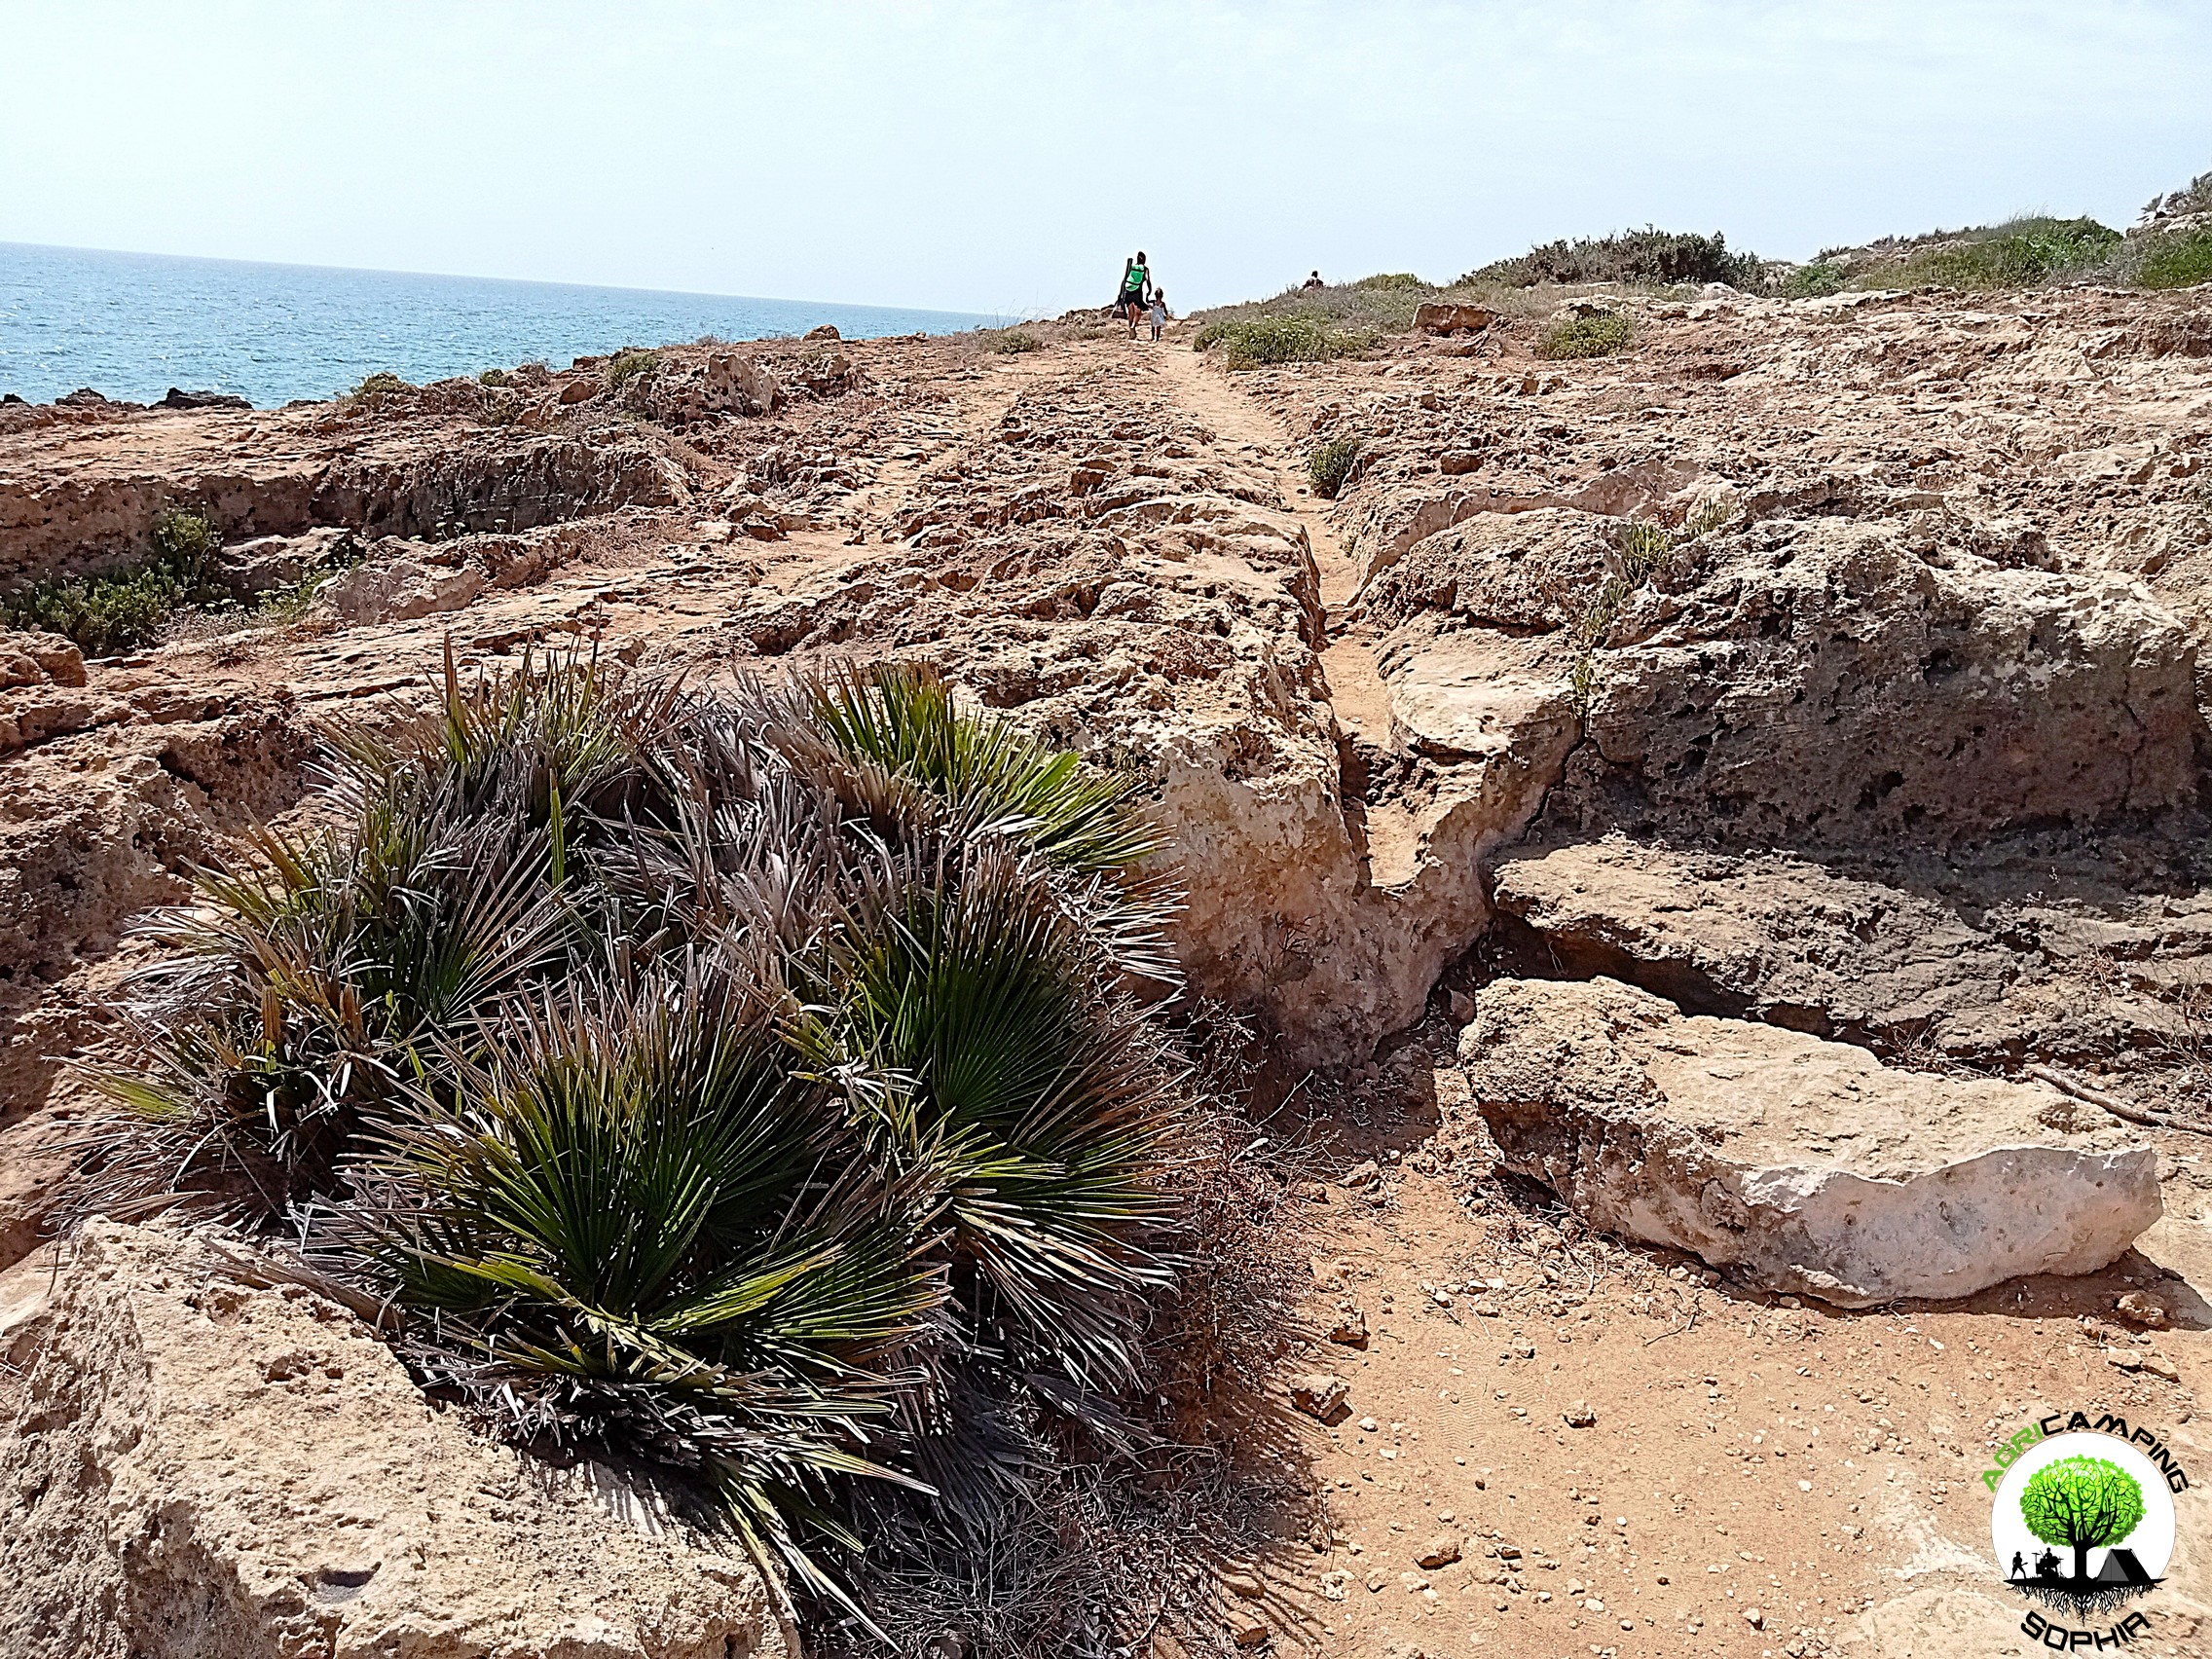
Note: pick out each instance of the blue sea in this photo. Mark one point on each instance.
(132, 326)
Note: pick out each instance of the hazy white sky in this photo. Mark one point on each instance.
(1007, 157)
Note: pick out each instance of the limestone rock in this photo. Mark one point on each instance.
(679, 389)
(1993, 955)
(1804, 1165)
(203, 1468)
(1442, 316)
(399, 589)
(1832, 681)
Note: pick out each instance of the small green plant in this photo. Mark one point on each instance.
(1391, 282)
(379, 387)
(2177, 261)
(1015, 339)
(626, 366)
(125, 609)
(1811, 281)
(494, 377)
(1330, 465)
(1250, 342)
(1599, 336)
(1642, 550)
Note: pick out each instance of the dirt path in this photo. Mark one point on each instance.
(1356, 687)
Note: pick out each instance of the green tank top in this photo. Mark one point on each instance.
(1134, 282)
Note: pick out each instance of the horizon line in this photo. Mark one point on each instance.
(470, 277)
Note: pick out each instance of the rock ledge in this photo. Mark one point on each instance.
(1805, 1165)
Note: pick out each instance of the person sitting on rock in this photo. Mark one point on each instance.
(1135, 281)
(1314, 281)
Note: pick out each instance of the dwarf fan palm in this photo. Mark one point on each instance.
(637, 1225)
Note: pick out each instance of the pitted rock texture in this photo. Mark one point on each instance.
(205, 1468)
(1799, 1165)
(2013, 955)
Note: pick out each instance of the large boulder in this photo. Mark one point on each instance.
(200, 1467)
(1797, 1163)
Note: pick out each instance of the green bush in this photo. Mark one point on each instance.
(1330, 465)
(1645, 258)
(1811, 281)
(1389, 282)
(2177, 261)
(626, 366)
(126, 610)
(747, 1090)
(2024, 253)
(494, 377)
(1015, 339)
(1599, 336)
(1250, 342)
(379, 387)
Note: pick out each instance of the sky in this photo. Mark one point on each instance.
(1005, 158)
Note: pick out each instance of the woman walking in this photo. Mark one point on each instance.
(1136, 281)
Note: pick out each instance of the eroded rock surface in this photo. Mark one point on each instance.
(201, 1467)
(1801, 1165)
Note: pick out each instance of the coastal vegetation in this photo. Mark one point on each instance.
(1648, 258)
(2180, 260)
(2018, 253)
(1330, 465)
(759, 1093)
(627, 365)
(1299, 336)
(126, 610)
(1598, 335)
(378, 389)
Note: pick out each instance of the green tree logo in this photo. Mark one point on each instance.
(2082, 1504)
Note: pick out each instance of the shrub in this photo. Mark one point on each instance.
(1811, 282)
(2177, 261)
(127, 609)
(1250, 342)
(494, 377)
(1015, 339)
(746, 1090)
(1399, 281)
(1645, 258)
(2021, 254)
(1599, 336)
(627, 365)
(1330, 465)
(378, 389)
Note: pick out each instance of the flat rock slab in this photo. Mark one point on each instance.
(202, 1468)
(1801, 1165)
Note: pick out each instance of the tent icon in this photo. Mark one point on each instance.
(2121, 1567)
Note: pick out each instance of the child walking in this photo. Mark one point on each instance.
(1159, 311)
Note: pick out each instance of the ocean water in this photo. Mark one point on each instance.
(132, 326)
